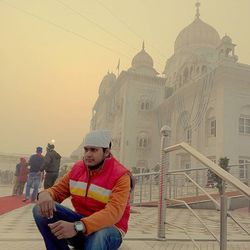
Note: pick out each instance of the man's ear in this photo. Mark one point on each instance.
(107, 152)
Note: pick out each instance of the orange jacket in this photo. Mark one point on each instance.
(102, 196)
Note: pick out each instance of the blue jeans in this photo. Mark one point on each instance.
(108, 238)
(33, 181)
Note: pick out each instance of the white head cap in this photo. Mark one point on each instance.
(98, 138)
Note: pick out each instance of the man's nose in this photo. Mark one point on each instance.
(87, 153)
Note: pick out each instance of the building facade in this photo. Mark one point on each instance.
(204, 97)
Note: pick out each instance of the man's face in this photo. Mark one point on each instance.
(93, 155)
(23, 161)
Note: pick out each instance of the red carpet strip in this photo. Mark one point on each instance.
(9, 203)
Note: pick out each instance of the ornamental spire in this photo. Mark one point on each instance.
(198, 4)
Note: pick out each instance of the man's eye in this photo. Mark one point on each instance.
(90, 149)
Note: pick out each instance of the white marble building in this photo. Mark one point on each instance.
(126, 105)
(204, 97)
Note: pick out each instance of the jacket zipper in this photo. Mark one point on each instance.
(88, 184)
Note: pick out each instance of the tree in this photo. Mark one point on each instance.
(223, 163)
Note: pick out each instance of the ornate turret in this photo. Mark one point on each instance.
(143, 63)
(226, 49)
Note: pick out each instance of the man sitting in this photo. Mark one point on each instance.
(99, 187)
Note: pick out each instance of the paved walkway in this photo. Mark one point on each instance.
(18, 231)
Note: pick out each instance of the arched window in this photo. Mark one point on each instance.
(144, 103)
(143, 140)
(210, 126)
(204, 69)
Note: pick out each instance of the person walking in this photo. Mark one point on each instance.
(99, 187)
(23, 176)
(34, 177)
(51, 165)
(15, 178)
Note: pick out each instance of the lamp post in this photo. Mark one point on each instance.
(164, 166)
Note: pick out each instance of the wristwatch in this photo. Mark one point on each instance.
(79, 227)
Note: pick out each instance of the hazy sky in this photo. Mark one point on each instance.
(54, 53)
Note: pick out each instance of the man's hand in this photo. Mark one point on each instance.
(63, 229)
(46, 204)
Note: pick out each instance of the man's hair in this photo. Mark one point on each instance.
(39, 149)
(104, 149)
(50, 146)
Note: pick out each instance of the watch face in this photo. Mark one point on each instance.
(78, 226)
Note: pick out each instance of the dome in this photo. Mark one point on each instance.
(106, 83)
(109, 77)
(226, 39)
(142, 59)
(142, 63)
(197, 33)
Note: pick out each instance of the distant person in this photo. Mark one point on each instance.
(15, 177)
(99, 187)
(51, 165)
(23, 176)
(34, 177)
